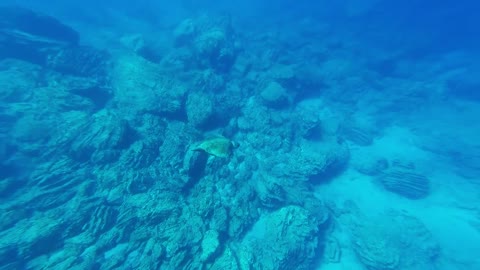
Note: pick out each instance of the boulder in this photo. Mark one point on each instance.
(285, 239)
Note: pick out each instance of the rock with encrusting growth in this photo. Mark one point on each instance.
(406, 183)
(101, 139)
(210, 40)
(80, 61)
(285, 239)
(140, 87)
(30, 239)
(210, 244)
(149, 256)
(271, 194)
(199, 108)
(314, 162)
(27, 25)
(332, 252)
(309, 123)
(394, 240)
(184, 32)
(27, 35)
(227, 260)
(274, 95)
(359, 135)
(366, 162)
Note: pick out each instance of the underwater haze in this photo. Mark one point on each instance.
(310, 135)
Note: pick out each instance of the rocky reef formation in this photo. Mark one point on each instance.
(210, 41)
(44, 40)
(390, 239)
(394, 241)
(99, 168)
(285, 239)
(140, 87)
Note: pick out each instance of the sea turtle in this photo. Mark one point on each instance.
(217, 146)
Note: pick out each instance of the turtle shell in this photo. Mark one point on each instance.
(218, 147)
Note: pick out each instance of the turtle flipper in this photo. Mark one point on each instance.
(198, 149)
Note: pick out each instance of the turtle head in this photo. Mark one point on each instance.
(235, 145)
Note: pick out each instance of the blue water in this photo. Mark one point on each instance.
(240, 135)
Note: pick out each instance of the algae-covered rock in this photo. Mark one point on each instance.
(358, 134)
(142, 87)
(199, 108)
(274, 95)
(285, 239)
(316, 162)
(210, 39)
(270, 191)
(402, 178)
(367, 162)
(210, 245)
(147, 256)
(309, 117)
(80, 61)
(28, 35)
(394, 240)
(228, 260)
(406, 183)
(31, 238)
(184, 32)
(102, 138)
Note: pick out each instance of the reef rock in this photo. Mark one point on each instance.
(270, 191)
(44, 40)
(211, 41)
(30, 238)
(274, 95)
(27, 35)
(80, 61)
(368, 163)
(101, 139)
(359, 135)
(199, 108)
(309, 122)
(394, 241)
(405, 181)
(285, 239)
(210, 244)
(141, 87)
(315, 162)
